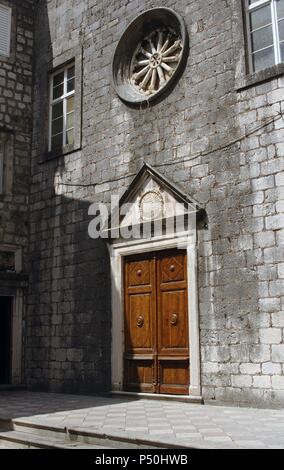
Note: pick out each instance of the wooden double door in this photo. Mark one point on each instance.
(156, 357)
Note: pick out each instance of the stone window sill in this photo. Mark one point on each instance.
(10, 59)
(260, 77)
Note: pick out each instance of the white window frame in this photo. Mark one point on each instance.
(63, 98)
(275, 32)
(9, 31)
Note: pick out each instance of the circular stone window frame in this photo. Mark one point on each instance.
(137, 31)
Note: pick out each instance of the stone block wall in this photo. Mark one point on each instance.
(16, 98)
(242, 315)
(16, 124)
(203, 136)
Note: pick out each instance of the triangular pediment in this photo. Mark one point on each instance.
(152, 197)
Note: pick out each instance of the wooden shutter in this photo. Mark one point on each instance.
(5, 30)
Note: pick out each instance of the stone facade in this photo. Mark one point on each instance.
(218, 135)
(16, 124)
(16, 88)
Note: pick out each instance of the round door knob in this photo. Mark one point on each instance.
(174, 319)
(140, 321)
(139, 272)
(172, 268)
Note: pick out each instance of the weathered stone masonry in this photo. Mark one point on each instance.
(186, 136)
(16, 122)
(16, 75)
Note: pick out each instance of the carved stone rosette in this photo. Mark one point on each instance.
(150, 56)
(151, 205)
(155, 61)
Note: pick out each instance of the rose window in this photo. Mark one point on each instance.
(156, 61)
(150, 56)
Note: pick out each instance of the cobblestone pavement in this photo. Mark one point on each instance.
(174, 422)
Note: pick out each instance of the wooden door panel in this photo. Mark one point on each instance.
(174, 377)
(172, 268)
(140, 324)
(139, 334)
(173, 327)
(139, 273)
(173, 370)
(139, 375)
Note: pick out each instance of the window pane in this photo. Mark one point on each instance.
(70, 104)
(57, 110)
(58, 91)
(253, 1)
(281, 30)
(57, 126)
(262, 38)
(280, 8)
(57, 141)
(260, 17)
(57, 79)
(70, 85)
(62, 118)
(70, 137)
(263, 59)
(71, 72)
(282, 51)
(70, 121)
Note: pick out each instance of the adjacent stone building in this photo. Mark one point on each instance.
(16, 80)
(212, 135)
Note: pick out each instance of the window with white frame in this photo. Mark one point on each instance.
(61, 113)
(265, 30)
(5, 30)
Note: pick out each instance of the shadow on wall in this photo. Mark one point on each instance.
(68, 322)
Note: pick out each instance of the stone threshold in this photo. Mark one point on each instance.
(155, 396)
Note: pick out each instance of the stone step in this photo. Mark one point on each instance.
(160, 397)
(24, 440)
(75, 437)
